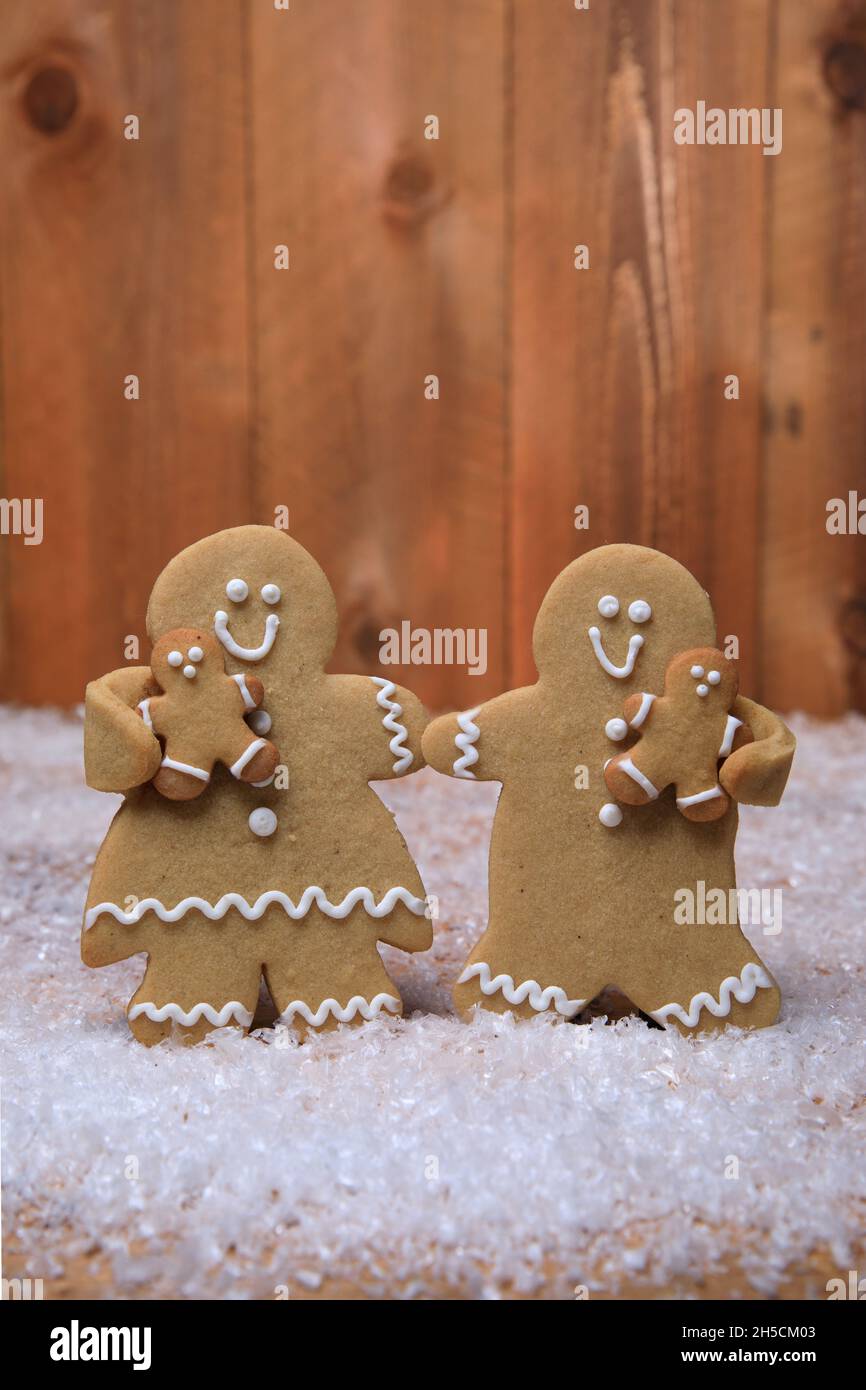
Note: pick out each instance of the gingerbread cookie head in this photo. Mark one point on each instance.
(704, 679)
(259, 593)
(188, 654)
(615, 618)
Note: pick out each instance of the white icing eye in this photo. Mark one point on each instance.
(640, 611)
(195, 654)
(271, 593)
(697, 671)
(713, 677)
(189, 672)
(608, 606)
(237, 590)
(175, 658)
(702, 690)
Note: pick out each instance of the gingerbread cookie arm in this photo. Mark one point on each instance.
(406, 932)
(471, 745)
(402, 719)
(757, 772)
(120, 751)
(107, 941)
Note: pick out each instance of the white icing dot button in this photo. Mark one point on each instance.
(263, 821)
(608, 606)
(610, 814)
(195, 654)
(189, 672)
(713, 677)
(616, 729)
(702, 690)
(260, 721)
(175, 658)
(697, 671)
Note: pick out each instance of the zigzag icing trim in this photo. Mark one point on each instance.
(234, 1009)
(743, 988)
(253, 911)
(356, 1005)
(539, 998)
(403, 755)
(465, 739)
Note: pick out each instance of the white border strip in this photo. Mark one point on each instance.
(404, 756)
(253, 911)
(530, 990)
(742, 987)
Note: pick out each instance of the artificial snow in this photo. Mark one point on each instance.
(410, 1155)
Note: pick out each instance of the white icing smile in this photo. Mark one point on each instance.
(221, 628)
(635, 642)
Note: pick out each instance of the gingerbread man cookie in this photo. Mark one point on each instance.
(583, 891)
(200, 716)
(683, 734)
(296, 883)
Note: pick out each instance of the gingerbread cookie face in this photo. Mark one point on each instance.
(261, 595)
(683, 736)
(200, 716)
(298, 879)
(607, 629)
(584, 884)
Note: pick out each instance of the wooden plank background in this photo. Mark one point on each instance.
(409, 257)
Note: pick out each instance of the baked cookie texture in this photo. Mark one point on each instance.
(299, 879)
(583, 889)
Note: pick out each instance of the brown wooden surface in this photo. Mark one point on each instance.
(90, 1276)
(397, 247)
(305, 387)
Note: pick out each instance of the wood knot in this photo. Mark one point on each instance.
(845, 72)
(852, 623)
(409, 191)
(50, 99)
(364, 636)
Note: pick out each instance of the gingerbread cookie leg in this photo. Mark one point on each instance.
(747, 998)
(715, 984)
(321, 972)
(481, 983)
(700, 798)
(201, 975)
(180, 781)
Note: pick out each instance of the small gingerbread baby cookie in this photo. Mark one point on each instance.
(683, 736)
(200, 716)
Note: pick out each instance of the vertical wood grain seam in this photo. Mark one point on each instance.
(254, 501)
(763, 452)
(5, 636)
(509, 186)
